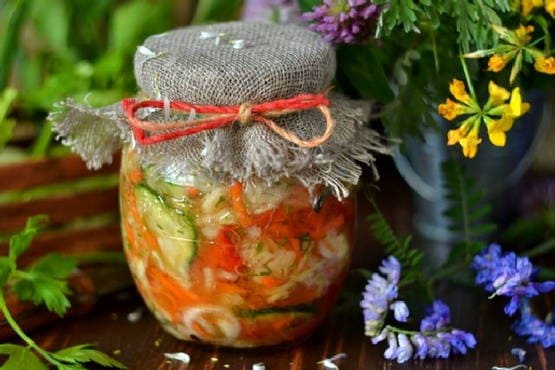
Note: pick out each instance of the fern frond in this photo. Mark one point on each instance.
(468, 212)
(398, 246)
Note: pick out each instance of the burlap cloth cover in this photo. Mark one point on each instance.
(230, 64)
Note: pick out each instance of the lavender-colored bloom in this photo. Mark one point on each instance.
(344, 21)
(518, 353)
(436, 339)
(380, 291)
(460, 341)
(391, 351)
(508, 275)
(536, 330)
(400, 311)
(405, 350)
(278, 11)
(438, 316)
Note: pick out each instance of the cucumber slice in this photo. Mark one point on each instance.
(302, 309)
(174, 230)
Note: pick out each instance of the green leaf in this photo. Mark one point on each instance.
(5, 270)
(20, 358)
(51, 20)
(364, 72)
(55, 265)
(6, 125)
(21, 241)
(400, 247)
(133, 21)
(86, 353)
(42, 141)
(468, 212)
(210, 11)
(307, 5)
(11, 21)
(40, 288)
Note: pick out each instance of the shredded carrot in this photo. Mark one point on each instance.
(169, 294)
(135, 176)
(295, 245)
(192, 192)
(327, 226)
(270, 281)
(238, 203)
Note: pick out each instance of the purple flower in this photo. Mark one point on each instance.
(536, 330)
(344, 21)
(508, 275)
(436, 339)
(519, 353)
(278, 11)
(438, 316)
(380, 291)
(400, 311)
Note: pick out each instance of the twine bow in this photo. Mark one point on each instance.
(219, 116)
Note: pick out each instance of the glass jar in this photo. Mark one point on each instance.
(234, 265)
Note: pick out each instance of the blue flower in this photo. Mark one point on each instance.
(506, 274)
(536, 330)
(519, 353)
(381, 290)
(438, 316)
(400, 348)
(400, 311)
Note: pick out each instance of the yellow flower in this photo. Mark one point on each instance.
(456, 135)
(498, 128)
(497, 94)
(523, 33)
(518, 108)
(470, 143)
(544, 64)
(498, 114)
(458, 90)
(451, 110)
(497, 62)
(550, 7)
(529, 5)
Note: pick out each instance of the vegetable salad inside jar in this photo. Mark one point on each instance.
(232, 264)
(237, 179)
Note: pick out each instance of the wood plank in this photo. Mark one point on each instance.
(99, 239)
(33, 173)
(60, 209)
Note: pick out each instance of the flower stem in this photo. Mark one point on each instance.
(107, 258)
(468, 79)
(542, 248)
(447, 271)
(400, 331)
(17, 329)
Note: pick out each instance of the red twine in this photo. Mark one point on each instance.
(220, 116)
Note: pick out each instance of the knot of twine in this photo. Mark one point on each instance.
(213, 116)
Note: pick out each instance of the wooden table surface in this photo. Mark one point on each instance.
(141, 344)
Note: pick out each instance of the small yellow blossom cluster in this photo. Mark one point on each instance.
(498, 114)
(516, 47)
(527, 6)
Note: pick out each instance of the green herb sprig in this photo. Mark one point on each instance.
(398, 246)
(44, 282)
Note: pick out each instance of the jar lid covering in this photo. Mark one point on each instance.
(233, 64)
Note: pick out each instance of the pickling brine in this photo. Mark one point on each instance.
(238, 265)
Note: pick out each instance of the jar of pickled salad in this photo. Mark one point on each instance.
(237, 179)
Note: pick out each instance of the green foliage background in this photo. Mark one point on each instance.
(55, 49)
